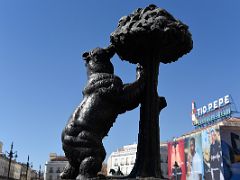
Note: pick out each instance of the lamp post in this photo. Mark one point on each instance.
(11, 154)
(39, 172)
(28, 166)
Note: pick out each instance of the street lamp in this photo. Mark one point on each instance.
(39, 172)
(11, 154)
(28, 167)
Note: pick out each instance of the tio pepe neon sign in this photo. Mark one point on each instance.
(215, 110)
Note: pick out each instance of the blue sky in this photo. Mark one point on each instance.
(42, 74)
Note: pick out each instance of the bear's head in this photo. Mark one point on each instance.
(99, 60)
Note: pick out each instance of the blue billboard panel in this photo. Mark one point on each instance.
(230, 142)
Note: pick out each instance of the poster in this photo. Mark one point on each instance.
(212, 155)
(194, 157)
(230, 142)
(176, 160)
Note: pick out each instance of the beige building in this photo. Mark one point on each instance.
(31, 174)
(15, 168)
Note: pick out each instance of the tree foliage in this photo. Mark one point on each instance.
(151, 31)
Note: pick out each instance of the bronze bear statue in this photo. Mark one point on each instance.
(104, 97)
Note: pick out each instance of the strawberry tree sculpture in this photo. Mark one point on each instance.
(150, 36)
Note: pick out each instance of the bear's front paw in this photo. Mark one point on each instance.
(139, 71)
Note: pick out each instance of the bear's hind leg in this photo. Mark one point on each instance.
(69, 172)
(89, 168)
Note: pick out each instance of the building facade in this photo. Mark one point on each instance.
(124, 159)
(210, 153)
(15, 168)
(54, 166)
(27, 173)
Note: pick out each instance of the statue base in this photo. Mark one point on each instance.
(138, 178)
(146, 178)
(122, 177)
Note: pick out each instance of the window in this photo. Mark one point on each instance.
(58, 170)
(127, 161)
(132, 160)
(50, 170)
(50, 177)
(116, 162)
(122, 161)
(123, 170)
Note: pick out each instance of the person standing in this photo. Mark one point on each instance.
(194, 162)
(215, 157)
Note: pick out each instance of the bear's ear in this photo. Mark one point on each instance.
(110, 51)
(86, 56)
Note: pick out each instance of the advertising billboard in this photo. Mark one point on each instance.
(230, 142)
(212, 155)
(212, 112)
(194, 157)
(176, 160)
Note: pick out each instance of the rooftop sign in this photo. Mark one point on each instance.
(212, 112)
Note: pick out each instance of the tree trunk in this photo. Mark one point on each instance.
(147, 162)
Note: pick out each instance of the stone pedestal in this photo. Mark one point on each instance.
(146, 178)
